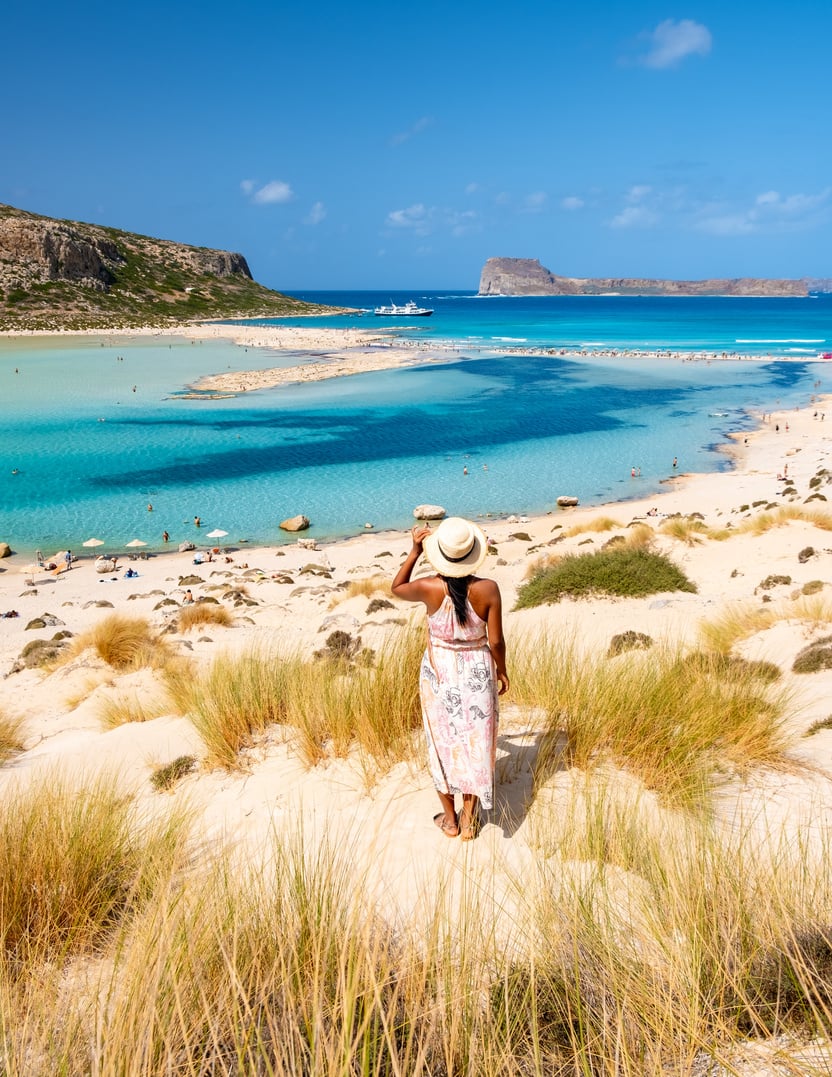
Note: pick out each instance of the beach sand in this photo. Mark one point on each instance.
(386, 821)
(301, 613)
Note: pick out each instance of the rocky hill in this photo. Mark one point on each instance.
(526, 276)
(67, 275)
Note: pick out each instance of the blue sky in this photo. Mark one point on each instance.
(398, 146)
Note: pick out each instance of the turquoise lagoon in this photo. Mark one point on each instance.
(90, 453)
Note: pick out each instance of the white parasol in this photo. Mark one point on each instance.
(93, 542)
(217, 533)
(136, 542)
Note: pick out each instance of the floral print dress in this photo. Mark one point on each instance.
(458, 688)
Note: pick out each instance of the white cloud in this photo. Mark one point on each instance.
(672, 41)
(638, 193)
(770, 212)
(572, 202)
(274, 191)
(462, 224)
(420, 125)
(634, 217)
(247, 186)
(316, 214)
(472, 188)
(728, 224)
(535, 202)
(421, 220)
(415, 216)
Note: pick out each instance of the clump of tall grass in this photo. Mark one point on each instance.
(11, 740)
(367, 586)
(739, 621)
(632, 571)
(332, 706)
(671, 718)
(765, 521)
(664, 946)
(203, 613)
(123, 643)
(687, 529)
(287, 973)
(122, 708)
(234, 700)
(76, 862)
(597, 524)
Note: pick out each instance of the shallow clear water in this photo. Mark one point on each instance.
(91, 453)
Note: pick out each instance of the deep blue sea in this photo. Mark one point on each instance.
(90, 453)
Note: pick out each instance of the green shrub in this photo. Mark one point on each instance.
(625, 571)
(815, 657)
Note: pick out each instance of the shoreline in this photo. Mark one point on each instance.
(335, 352)
(762, 452)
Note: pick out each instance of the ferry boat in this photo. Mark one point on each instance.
(405, 310)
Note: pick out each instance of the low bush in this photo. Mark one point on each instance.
(167, 775)
(814, 658)
(623, 571)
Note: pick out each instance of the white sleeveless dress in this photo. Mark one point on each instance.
(458, 689)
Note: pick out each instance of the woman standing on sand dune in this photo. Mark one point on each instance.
(463, 669)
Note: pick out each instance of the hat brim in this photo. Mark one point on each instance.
(467, 566)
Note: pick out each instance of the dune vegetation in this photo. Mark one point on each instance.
(641, 943)
(625, 570)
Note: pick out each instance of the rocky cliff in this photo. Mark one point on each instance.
(64, 274)
(526, 276)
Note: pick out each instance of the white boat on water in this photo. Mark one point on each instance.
(404, 310)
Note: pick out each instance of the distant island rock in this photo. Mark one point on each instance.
(526, 276)
(57, 274)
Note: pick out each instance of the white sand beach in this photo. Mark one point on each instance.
(384, 818)
(303, 611)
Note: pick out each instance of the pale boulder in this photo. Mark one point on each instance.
(429, 512)
(295, 523)
(5, 550)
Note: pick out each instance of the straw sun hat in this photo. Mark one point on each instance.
(456, 548)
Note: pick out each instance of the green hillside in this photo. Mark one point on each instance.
(68, 275)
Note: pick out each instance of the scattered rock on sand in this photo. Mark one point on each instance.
(190, 581)
(5, 550)
(307, 544)
(37, 652)
(567, 501)
(295, 523)
(429, 512)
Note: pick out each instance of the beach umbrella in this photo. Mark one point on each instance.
(93, 542)
(136, 542)
(216, 533)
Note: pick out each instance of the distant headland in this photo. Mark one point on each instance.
(58, 275)
(526, 276)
